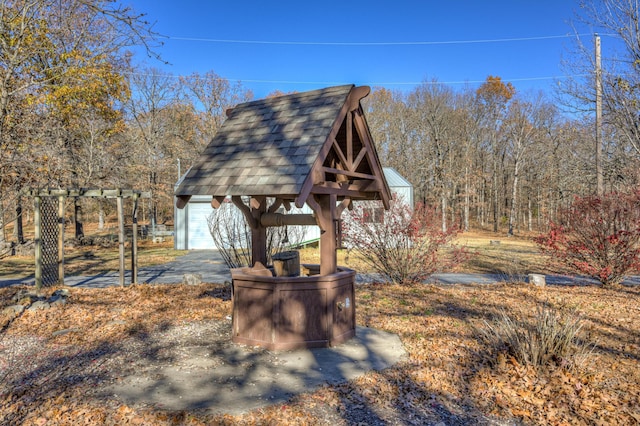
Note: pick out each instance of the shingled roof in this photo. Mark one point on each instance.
(269, 147)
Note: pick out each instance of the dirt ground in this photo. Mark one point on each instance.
(60, 366)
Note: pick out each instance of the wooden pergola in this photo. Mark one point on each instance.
(54, 224)
(311, 148)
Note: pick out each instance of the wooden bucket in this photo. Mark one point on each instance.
(287, 264)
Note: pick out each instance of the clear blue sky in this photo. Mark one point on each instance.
(362, 42)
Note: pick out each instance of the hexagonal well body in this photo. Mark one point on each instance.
(282, 313)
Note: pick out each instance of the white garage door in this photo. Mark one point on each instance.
(198, 236)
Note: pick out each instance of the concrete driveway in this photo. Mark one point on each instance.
(210, 265)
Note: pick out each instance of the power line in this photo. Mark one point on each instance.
(412, 83)
(382, 43)
(400, 43)
(388, 83)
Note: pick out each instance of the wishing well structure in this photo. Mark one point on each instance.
(311, 148)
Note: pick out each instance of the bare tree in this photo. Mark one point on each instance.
(171, 121)
(151, 134)
(433, 105)
(521, 126)
(391, 126)
(493, 96)
(210, 96)
(468, 137)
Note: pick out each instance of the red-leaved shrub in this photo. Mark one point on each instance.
(599, 237)
(404, 245)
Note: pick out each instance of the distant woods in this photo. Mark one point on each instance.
(487, 157)
(76, 112)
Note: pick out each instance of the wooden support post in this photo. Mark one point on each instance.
(216, 202)
(119, 207)
(328, 246)
(134, 242)
(37, 222)
(61, 240)
(259, 232)
(246, 211)
(349, 152)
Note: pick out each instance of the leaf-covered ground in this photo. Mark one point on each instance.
(92, 259)
(53, 361)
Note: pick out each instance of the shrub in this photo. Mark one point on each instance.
(551, 339)
(401, 244)
(232, 236)
(600, 237)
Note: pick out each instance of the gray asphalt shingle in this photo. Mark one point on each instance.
(266, 147)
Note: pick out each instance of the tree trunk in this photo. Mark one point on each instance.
(154, 212)
(494, 198)
(529, 215)
(481, 203)
(100, 215)
(77, 218)
(466, 200)
(2, 238)
(443, 202)
(19, 228)
(539, 205)
(514, 196)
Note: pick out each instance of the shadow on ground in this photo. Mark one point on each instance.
(235, 380)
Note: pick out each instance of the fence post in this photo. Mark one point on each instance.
(61, 240)
(134, 242)
(120, 237)
(37, 221)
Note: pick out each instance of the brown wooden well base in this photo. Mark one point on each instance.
(282, 313)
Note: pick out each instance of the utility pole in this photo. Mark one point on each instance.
(599, 174)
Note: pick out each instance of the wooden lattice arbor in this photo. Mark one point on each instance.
(313, 147)
(49, 230)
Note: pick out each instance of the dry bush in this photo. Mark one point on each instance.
(404, 244)
(232, 236)
(552, 339)
(513, 271)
